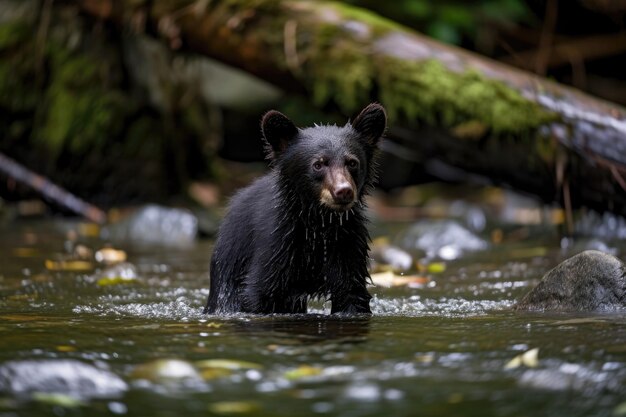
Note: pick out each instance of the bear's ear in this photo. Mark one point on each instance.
(371, 123)
(278, 131)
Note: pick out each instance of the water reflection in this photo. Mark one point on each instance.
(309, 328)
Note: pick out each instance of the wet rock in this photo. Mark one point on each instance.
(155, 225)
(69, 377)
(570, 376)
(582, 244)
(589, 281)
(397, 259)
(473, 215)
(606, 226)
(445, 239)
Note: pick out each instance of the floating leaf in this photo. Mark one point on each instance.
(58, 399)
(234, 407)
(103, 282)
(110, 255)
(529, 359)
(231, 364)
(389, 279)
(66, 348)
(436, 267)
(303, 371)
(68, 266)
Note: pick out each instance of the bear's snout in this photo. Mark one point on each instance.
(343, 194)
(338, 191)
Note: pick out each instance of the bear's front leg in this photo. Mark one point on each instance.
(353, 299)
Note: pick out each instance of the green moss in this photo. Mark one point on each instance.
(337, 70)
(334, 68)
(427, 91)
(79, 111)
(378, 24)
(415, 91)
(347, 84)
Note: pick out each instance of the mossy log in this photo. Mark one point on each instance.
(446, 105)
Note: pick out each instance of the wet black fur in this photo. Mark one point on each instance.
(278, 245)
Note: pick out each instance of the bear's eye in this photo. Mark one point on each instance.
(317, 165)
(352, 164)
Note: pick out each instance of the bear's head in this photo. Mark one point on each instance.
(333, 165)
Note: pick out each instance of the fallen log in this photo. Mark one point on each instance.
(449, 107)
(50, 191)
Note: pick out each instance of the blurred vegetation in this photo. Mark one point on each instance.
(117, 117)
(69, 105)
(450, 21)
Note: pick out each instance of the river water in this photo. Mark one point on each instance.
(441, 349)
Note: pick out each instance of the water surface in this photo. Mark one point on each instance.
(440, 349)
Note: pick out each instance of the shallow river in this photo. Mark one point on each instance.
(440, 349)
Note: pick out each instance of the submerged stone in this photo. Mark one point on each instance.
(589, 281)
(67, 376)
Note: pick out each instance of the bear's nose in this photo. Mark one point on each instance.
(343, 193)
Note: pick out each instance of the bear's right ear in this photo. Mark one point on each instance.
(278, 131)
(371, 123)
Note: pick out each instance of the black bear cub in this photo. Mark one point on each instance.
(299, 232)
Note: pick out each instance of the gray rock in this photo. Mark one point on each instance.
(445, 239)
(66, 376)
(589, 281)
(155, 225)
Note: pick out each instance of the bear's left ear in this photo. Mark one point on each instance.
(371, 123)
(278, 131)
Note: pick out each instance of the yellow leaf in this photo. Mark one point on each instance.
(390, 279)
(103, 282)
(68, 266)
(233, 365)
(436, 267)
(66, 348)
(58, 399)
(234, 407)
(302, 372)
